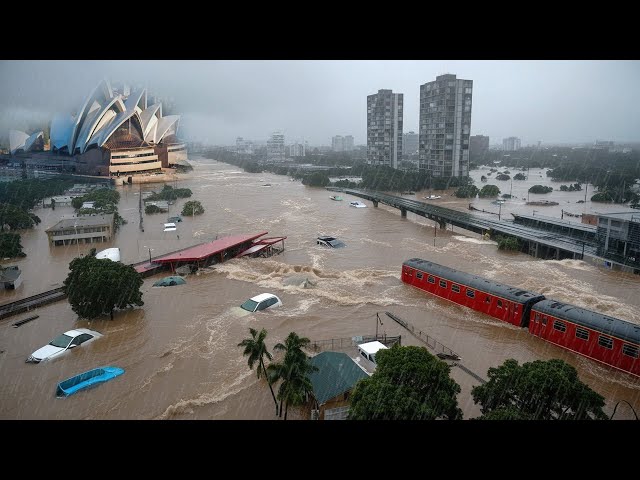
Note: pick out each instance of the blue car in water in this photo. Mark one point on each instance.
(86, 380)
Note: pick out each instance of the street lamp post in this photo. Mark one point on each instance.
(149, 253)
(499, 210)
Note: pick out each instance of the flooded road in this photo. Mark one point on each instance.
(179, 350)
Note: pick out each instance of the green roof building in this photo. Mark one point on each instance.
(336, 376)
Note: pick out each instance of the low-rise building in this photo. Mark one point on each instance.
(336, 376)
(11, 277)
(83, 229)
(618, 238)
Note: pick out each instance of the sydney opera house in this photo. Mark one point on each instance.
(113, 133)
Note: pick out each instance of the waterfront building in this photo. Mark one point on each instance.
(82, 229)
(384, 128)
(445, 123)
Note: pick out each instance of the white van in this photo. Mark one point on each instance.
(170, 227)
(369, 350)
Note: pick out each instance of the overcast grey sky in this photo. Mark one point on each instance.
(552, 101)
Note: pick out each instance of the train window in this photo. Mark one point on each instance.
(471, 293)
(605, 342)
(582, 333)
(419, 275)
(443, 284)
(455, 288)
(431, 279)
(544, 320)
(560, 326)
(499, 303)
(487, 299)
(630, 350)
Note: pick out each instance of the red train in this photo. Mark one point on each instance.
(602, 338)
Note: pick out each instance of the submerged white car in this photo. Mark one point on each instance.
(260, 302)
(62, 344)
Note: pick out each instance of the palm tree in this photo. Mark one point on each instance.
(293, 371)
(255, 348)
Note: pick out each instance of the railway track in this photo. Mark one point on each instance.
(30, 303)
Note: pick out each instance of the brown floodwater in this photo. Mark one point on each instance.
(180, 350)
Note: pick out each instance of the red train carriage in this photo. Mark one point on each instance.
(503, 302)
(600, 337)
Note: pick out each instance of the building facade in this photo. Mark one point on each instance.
(244, 147)
(445, 125)
(511, 144)
(117, 132)
(342, 144)
(297, 150)
(275, 147)
(84, 229)
(384, 128)
(618, 238)
(410, 143)
(478, 145)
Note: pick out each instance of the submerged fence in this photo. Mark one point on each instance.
(341, 343)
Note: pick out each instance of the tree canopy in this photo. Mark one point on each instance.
(409, 384)
(96, 287)
(468, 191)
(10, 246)
(539, 390)
(192, 207)
(16, 217)
(540, 189)
(489, 191)
(170, 193)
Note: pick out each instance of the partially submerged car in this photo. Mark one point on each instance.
(62, 344)
(330, 242)
(260, 302)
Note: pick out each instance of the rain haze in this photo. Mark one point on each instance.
(547, 101)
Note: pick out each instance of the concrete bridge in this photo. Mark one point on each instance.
(540, 243)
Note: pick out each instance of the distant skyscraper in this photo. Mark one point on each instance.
(348, 143)
(478, 145)
(337, 143)
(342, 144)
(244, 147)
(409, 143)
(275, 147)
(445, 123)
(511, 144)
(297, 149)
(384, 128)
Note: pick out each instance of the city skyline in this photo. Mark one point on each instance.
(547, 101)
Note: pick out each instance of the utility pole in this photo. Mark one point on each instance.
(378, 321)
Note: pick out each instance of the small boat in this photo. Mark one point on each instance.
(432, 197)
(357, 204)
(336, 197)
(266, 185)
(86, 380)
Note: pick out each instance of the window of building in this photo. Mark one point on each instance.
(630, 350)
(560, 326)
(455, 288)
(582, 333)
(471, 293)
(443, 283)
(605, 342)
(419, 275)
(431, 279)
